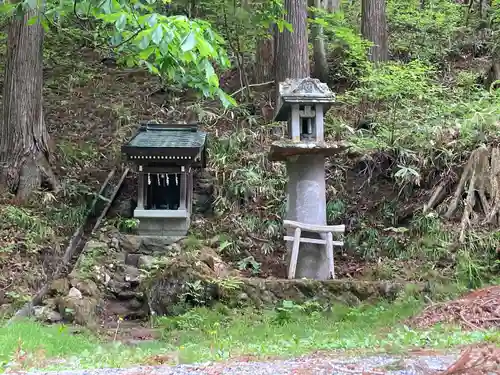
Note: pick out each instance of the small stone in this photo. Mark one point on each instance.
(115, 243)
(95, 247)
(46, 314)
(176, 248)
(132, 275)
(75, 293)
(145, 262)
(130, 244)
(87, 287)
(59, 287)
(122, 290)
(132, 259)
(243, 297)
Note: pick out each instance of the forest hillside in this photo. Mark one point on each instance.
(417, 112)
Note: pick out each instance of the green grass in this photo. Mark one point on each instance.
(294, 330)
(28, 345)
(220, 333)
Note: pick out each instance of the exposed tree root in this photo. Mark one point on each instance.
(480, 180)
(26, 176)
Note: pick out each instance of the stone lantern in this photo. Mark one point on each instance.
(303, 103)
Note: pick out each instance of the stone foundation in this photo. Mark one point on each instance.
(268, 292)
(167, 226)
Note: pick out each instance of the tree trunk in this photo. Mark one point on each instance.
(24, 140)
(492, 80)
(292, 58)
(264, 59)
(374, 28)
(321, 69)
(333, 5)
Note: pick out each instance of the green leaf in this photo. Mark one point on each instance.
(210, 75)
(45, 25)
(189, 42)
(227, 101)
(144, 54)
(121, 22)
(130, 61)
(109, 18)
(144, 42)
(107, 6)
(153, 69)
(152, 20)
(157, 34)
(288, 26)
(32, 20)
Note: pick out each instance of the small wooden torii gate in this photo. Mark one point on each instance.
(320, 229)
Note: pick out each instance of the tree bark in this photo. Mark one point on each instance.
(292, 58)
(333, 5)
(24, 140)
(374, 28)
(264, 59)
(321, 70)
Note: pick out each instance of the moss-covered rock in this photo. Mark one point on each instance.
(191, 279)
(59, 287)
(82, 311)
(263, 292)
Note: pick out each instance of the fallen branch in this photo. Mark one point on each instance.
(76, 244)
(437, 196)
(252, 85)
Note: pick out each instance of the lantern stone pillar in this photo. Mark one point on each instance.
(302, 103)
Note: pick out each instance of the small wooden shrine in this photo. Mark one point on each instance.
(165, 156)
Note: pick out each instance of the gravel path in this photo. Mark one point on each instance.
(314, 365)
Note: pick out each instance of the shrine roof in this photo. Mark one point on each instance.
(166, 140)
(302, 91)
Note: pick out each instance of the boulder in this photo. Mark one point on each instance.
(46, 314)
(118, 287)
(131, 275)
(130, 243)
(131, 309)
(145, 262)
(185, 281)
(59, 287)
(81, 311)
(87, 287)
(132, 259)
(94, 246)
(159, 245)
(75, 293)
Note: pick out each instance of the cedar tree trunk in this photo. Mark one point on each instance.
(321, 69)
(374, 28)
(24, 140)
(292, 58)
(264, 59)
